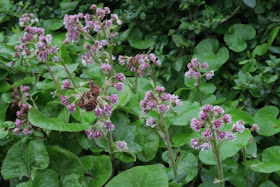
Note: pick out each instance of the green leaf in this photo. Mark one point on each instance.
(71, 180)
(39, 120)
(53, 24)
(150, 143)
(272, 35)
(64, 162)
(270, 161)
(185, 113)
(5, 5)
(4, 86)
(146, 176)
(124, 131)
(260, 50)
(208, 51)
(46, 178)
(187, 164)
(268, 184)
(124, 96)
(267, 121)
(228, 148)
(67, 6)
(250, 3)
(136, 40)
(100, 169)
(64, 55)
(180, 41)
(237, 36)
(2, 36)
(238, 114)
(4, 106)
(23, 157)
(6, 51)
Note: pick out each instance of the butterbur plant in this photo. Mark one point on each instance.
(162, 103)
(94, 96)
(35, 43)
(211, 120)
(141, 64)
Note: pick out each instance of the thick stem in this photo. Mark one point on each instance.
(110, 144)
(52, 75)
(199, 93)
(216, 153)
(69, 75)
(168, 145)
(136, 81)
(245, 166)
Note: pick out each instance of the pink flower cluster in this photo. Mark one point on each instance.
(92, 51)
(161, 102)
(212, 118)
(34, 42)
(95, 22)
(22, 124)
(25, 90)
(140, 63)
(195, 70)
(27, 19)
(65, 101)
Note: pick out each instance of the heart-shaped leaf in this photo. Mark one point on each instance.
(136, 40)
(23, 157)
(237, 36)
(208, 51)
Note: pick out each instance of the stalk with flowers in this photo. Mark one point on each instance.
(162, 103)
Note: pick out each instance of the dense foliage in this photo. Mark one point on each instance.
(139, 93)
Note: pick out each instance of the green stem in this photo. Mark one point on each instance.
(216, 153)
(136, 81)
(168, 145)
(52, 75)
(199, 92)
(245, 166)
(110, 144)
(69, 75)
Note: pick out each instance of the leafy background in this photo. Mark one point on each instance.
(240, 41)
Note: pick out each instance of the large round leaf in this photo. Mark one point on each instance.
(46, 178)
(237, 36)
(64, 162)
(267, 121)
(208, 51)
(140, 176)
(149, 145)
(100, 167)
(187, 166)
(270, 161)
(23, 157)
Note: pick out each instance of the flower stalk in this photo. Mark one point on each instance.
(168, 145)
